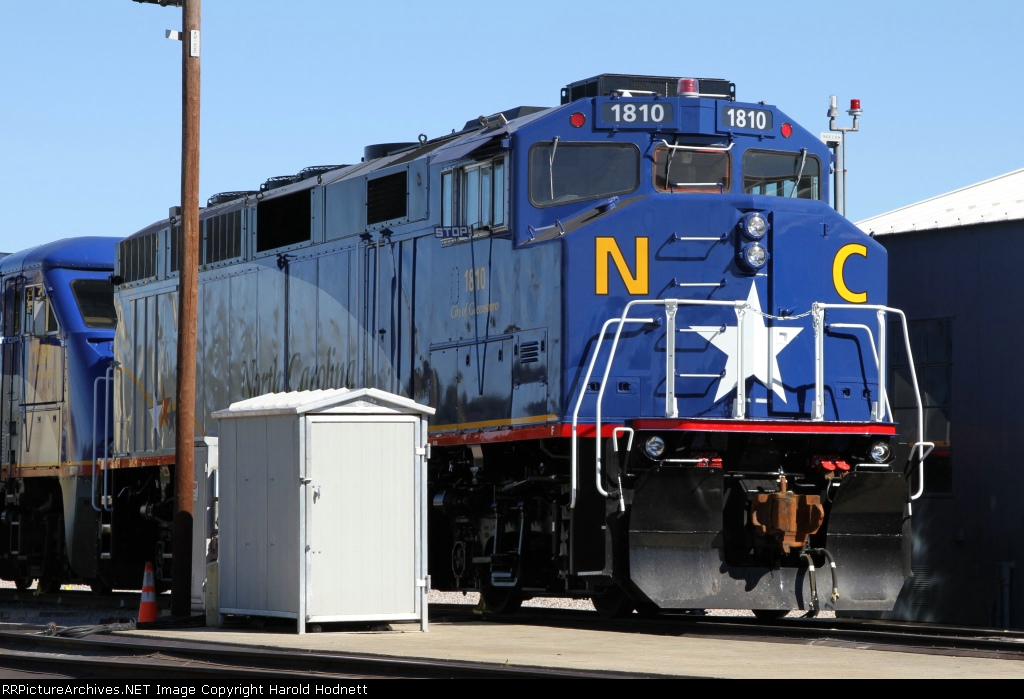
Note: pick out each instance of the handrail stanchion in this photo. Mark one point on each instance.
(879, 407)
(95, 397)
(108, 501)
(671, 409)
(107, 381)
(739, 410)
(818, 322)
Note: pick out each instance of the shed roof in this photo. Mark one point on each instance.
(998, 199)
(332, 400)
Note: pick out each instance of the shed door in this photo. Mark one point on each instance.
(361, 515)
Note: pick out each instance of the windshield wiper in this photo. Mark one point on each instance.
(800, 172)
(551, 167)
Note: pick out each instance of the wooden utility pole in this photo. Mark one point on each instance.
(188, 301)
(188, 295)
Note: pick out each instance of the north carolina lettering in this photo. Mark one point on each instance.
(301, 376)
(636, 284)
(838, 271)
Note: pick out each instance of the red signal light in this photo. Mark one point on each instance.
(787, 130)
(687, 87)
(577, 119)
(854, 105)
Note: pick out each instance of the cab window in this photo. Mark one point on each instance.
(95, 299)
(778, 174)
(687, 169)
(567, 172)
(474, 195)
(39, 317)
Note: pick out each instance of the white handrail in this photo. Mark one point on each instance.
(671, 146)
(573, 470)
(669, 378)
(879, 409)
(881, 312)
(874, 352)
(107, 378)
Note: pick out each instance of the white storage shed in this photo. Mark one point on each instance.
(323, 512)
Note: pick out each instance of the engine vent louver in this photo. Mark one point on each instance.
(529, 352)
(386, 198)
(137, 257)
(222, 237)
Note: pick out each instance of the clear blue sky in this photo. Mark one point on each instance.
(90, 105)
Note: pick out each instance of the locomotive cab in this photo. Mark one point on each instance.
(58, 321)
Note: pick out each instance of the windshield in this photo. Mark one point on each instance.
(775, 174)
(564, 172)
(95, 299)
(689, 170)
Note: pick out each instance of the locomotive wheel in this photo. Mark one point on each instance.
(647, 610)
(23, 584)
(99, 587)
(612, 602)
(500, 600)
(770, 614)
(48, 586)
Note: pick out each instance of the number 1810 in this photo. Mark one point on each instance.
(638, 112)
(746, 118)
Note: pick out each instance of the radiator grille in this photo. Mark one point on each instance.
(137, 257)
(222, 237)
(386, 198)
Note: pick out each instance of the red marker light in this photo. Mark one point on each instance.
(787, 130)
(577, 119)
(687, 87)
(854, 104)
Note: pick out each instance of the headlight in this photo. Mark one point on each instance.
(879, 452)
(754, 225)
(655, 447)
(754, 256)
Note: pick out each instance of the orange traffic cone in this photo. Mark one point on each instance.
(147, 605)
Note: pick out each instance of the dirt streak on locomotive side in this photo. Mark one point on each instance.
(656, 354)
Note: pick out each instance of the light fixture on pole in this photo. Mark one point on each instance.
(839, 182)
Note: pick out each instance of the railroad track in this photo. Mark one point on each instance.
(95, 657)
(126, 602)
(129, 656)
(862, 633)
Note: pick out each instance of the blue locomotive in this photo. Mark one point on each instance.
(57, 318)
(656, 354)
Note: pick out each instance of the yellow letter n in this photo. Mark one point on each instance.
(607, 247)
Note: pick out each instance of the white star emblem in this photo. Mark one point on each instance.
(160, 413)
(760, 351)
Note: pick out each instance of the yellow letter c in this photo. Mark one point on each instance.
(837, 272)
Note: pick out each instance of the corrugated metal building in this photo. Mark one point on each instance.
(957, 271)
